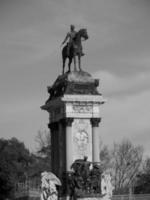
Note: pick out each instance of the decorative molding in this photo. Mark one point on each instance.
(84, 98)
(67, 121)
(95, 122)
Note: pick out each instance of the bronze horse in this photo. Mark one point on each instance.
(75, 50)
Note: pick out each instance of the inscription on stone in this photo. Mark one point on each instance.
(82, 108)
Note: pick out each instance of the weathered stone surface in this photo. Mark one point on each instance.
(73, 83)
(82, 139)
(73, 104)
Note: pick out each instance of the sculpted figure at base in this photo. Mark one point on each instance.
(106, 186)
(48, 186)
(85, 179)
(73, 47)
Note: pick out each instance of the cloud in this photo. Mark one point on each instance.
(127, 118)
(117, 51)
(118, 30)
(23, 119)
(120, 86)
(126, 112)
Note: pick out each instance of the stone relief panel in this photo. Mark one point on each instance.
(82, 139)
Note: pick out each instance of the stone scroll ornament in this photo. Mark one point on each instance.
(48, 186)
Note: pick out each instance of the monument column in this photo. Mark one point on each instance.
(95, 139)
(69, 144)
(53, 126)
(74, 116)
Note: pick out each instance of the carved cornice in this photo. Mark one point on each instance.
(73, 83)
(95, 122)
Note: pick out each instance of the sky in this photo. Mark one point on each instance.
(117, 52)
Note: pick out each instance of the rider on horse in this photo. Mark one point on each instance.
(70, 37)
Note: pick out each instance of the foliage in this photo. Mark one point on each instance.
(14, 166)
(43, 154)
(105, 158)
(142, 185)
(123, 161)
(127, 160)
(43, 141)
(146, 166)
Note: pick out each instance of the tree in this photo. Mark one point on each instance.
(43, 141)
(43, 154)
(146, 166)
(15, 161)
(127, 160)
(142, 185)
(105, 158)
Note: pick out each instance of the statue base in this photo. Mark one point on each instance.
(74, 115)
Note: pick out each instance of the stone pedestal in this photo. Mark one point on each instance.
(74, 116)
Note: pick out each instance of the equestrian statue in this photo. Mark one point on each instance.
(73, 47)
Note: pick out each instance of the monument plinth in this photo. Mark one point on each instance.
(74, 117)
